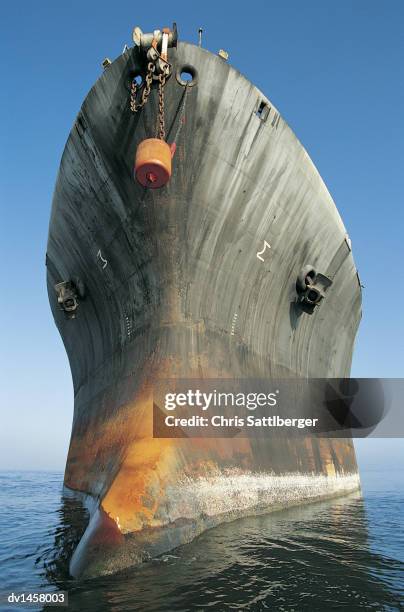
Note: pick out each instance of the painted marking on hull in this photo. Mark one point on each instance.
(101, 258)
(129, 326)
(266, 246)
(233, 325)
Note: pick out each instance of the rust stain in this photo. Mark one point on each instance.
(135, 489)
(151, 465)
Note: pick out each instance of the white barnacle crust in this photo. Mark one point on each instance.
(236, 493)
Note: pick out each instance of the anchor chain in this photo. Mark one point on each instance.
(134, 106)
(161, 130)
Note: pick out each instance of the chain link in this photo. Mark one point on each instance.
(134, 106)
(161, 132)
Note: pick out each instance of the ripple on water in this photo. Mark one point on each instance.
(346, 553)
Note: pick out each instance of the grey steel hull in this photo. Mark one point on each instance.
(174, 288)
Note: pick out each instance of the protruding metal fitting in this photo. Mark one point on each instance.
(164, 44)
(161, 65)
(68, 295)
(106, 62)
(310, 288)
(144, 41)
(223, 54)
(152, 54)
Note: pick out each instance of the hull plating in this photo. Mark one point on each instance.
(174, 288)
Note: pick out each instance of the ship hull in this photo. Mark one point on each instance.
(174, 289)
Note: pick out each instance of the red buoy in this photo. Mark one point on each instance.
(153, 163)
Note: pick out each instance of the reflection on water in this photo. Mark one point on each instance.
(343, 554)
(73, 519)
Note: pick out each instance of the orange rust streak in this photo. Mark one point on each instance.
(135, 494)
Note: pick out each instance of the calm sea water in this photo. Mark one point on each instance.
(345, 554)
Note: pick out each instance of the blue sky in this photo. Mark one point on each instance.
(335, 71)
